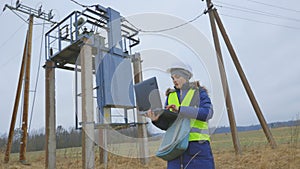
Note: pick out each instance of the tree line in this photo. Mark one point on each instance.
(36, 139)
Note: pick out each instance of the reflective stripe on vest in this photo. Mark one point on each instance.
(199, 129)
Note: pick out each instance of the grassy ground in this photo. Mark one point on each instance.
(256, 154)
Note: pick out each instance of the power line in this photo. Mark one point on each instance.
(37, 77)
(20, 16)
(149, 31)
(8, 61)
(268, 23)
(84, 6)
(167, 29)
(11, 36)
(175, 27)
(255, 11)
(258, 12)
(274, 6)
(11, 58)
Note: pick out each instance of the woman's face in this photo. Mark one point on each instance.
(178, 81)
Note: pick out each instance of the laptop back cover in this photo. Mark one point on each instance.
(147, 95)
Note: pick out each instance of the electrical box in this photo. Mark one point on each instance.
(115, 82)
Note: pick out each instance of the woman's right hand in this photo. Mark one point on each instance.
(150, 114)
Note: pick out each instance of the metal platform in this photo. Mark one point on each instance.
(63, 40)
(68, 55)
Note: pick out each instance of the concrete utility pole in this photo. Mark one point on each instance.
(229, 108)
(142, 130)
(88, 154)
(50, 119)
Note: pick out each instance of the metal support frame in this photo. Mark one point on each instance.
(68, 41)
(31, 11)
(84, 24)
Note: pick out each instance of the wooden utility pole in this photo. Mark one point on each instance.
(88, 154)
(26, 62)
(244, 80)
(50, 120)
(24, 67)
(23, 143)
(229, 108)
(16, 105)
(142, 131)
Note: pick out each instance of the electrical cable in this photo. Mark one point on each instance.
(274, 6)
(19, 16)
(12, 58)
(254, 11)
(268, 23)
(166, 29)
(37, 78)
(149, 31)
(12, 35)
(8, 61)
(25, 19)
(261, 13)
(84, 6)
(37, 23)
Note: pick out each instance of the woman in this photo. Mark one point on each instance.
(198, 154)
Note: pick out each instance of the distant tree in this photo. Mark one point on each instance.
(75, 137)
(65, 138)
(59, 136)
(3, 141)
(36, 141)
(16, 140)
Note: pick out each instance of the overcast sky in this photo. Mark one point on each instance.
(265, 35)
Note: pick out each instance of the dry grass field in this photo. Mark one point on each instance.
(256, 154)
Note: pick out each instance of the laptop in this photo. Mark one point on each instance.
(148, 97)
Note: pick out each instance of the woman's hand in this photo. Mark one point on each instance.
(150, 114)
(173, 108)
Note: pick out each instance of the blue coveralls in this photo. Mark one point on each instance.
(199, 154)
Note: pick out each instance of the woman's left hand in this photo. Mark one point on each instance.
(173, 107)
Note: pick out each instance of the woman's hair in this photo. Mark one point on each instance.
(194, 85)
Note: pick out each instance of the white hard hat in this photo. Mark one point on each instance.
(179, 66)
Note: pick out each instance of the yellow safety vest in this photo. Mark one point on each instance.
(199, 129)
